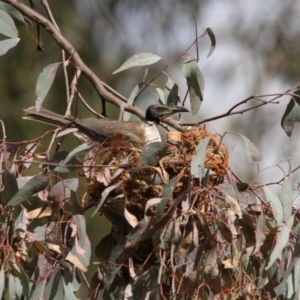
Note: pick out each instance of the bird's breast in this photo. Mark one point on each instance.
(151, 133)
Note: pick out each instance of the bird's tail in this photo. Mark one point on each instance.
(45, 116)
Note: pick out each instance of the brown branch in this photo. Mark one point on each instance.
(79, 63)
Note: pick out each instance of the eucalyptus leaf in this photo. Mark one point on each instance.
(137, 60)
(276, 205)
(153, 152)
(212, 37)
(7, 25)
(10, 187)
(81, 149)
(7, 44)
(62, 190)
(225, 231)
(39, 290)
(161, 96)
(131, 100)
(33, 186)
(291, 114)
(172, 95)
(251, 151)
(198, 159)
(2, 281)
(195, 81)
(104, 195)
(13, 12)
(169, 187)
(44, 82)
(282, 238)
(287, 199)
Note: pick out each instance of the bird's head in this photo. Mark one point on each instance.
(156, 113)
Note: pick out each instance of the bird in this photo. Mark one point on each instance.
(105, 131)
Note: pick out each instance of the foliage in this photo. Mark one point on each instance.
(183, 224)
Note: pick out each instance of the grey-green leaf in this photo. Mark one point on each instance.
(7, 25)
(2, 281)
(14, 13)
(251, 151)
(7, 44)
(287, 199)
(161, 96)
(137, 60)
(195, 81)
(131, 100)
(276, 205)
(44, 83)
(198, 159)
(212, 37)
(104, 195)
(281, 241)
(172, 95)
(33, 186)
(81, 149)
(153, 152)
(291, 114)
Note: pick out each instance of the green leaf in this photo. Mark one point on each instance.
(169, 187)
(2, 281)
(82, 248)
(10, 187)
(104, 248)
(276, 205)
(281, 241)
(104, 195)
(172, 95)
(12, 287)
(212, 37)
(198, 159)
(137, 60)
(260, 232)
(44, 83)
(131, 100)
(291, 114)
(153, 152)
(287, 199)
(70, 287)
(225, 231)
(161, 96)
(7, 25)
(24, 282)
(56, 280)
(195, 81)
(57, 163)
(7, 44)
(14, 13)
(39, 290)
(145, 74)
(242, 186)
(161, 205)
(33, 186)
(62, 190)
(81, 149)
(251, 151)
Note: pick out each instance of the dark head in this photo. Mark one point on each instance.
(155, 113)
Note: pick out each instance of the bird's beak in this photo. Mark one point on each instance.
(166, 111)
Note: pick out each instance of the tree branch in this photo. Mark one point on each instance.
(64, 44)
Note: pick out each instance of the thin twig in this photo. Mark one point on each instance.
(63, 54)
(231, 113)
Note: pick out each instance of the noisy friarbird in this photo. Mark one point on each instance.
(104, 131)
